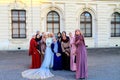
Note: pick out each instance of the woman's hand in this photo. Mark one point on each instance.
(38, 51)
(67, 53)
(74, 53)
(58, 54)
(42, 52)
(77, 42)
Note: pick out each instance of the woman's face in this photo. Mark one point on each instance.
(77, 32)
(52, 35)
(46, 36)
(38, 36)
(58, 34)
(63, 34)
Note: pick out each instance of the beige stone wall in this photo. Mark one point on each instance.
(69, 11)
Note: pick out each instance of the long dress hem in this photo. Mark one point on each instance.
(43, 72)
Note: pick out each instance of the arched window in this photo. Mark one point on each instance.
(53, 22)
(86, 24)
(115, 25)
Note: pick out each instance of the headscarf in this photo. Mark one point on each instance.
(58, 37)
(67, 38)
(79, 37)
(32, 35)
(37, 39)
(73, 35)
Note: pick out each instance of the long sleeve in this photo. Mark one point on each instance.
(31, 47)
(42, 45)
(35, 46)
(80, 41)
(52, 48)
(83, 40)
(69, 43)
(63, 50)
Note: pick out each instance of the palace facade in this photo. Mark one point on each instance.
(99, 21)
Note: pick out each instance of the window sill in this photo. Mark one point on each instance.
(19, 41)
(114, 37)
(88, 37)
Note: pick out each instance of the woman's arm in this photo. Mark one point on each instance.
(77, 42)
(52, 48)
(63, 50)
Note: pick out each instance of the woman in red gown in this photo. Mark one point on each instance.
(33, 51)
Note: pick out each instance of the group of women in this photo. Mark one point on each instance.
(59, 53)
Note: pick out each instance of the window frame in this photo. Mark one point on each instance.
(85, 22)
(18, 22)
(115, 23)
(53, 21)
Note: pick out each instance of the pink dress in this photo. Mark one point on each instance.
(72, 56)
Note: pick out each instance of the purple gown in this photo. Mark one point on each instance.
(81, 58)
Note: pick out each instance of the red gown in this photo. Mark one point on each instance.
(36, 60)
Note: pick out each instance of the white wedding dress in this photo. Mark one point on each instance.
(43, 72)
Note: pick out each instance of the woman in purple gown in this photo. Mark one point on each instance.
(81, 56)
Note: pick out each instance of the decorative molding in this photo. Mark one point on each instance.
(117, 10)
(17, 4)
(46, 10)
(52, 7)
(87, 8)
(112, 11)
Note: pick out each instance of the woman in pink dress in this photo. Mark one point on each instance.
(72, 52)
(81, 56)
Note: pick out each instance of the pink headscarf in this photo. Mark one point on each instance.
(78, 30)
(79, 37)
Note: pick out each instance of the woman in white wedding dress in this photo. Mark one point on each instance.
(43, 72)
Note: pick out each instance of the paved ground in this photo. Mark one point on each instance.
(103, 64)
